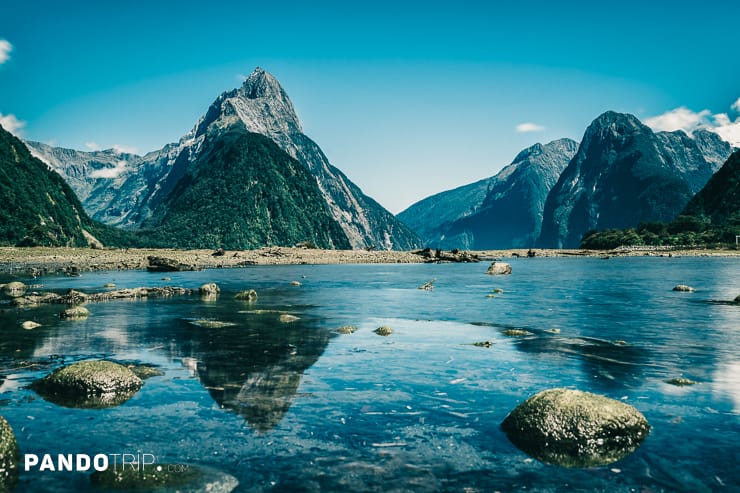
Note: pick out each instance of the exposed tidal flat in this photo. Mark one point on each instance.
(60, 260)
(297, 388)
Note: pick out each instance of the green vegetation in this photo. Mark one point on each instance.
(244, 192)
(712, 218)
(40, 209)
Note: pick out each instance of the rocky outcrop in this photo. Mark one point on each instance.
(75, 313)
(684, 288)
(163, 264)
(89, 384)
(248, 295)
(575, 429)
(209, 288)
(441, 256)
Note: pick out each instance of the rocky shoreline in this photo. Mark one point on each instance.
(38, 261)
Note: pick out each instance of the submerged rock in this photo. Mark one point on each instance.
(516, 332)
(30, 325)
(14, 289)
(681, 382)
(211, 324)
(346, 329)
(428, 286)
(9, 456)
(575, 429)
(89, 384)
(165, 478)
(383, 331)
(684, 288)
(75, 312)
(209, 288)
(248, 295)
(499, 269)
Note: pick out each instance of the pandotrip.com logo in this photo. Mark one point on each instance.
(97, 462)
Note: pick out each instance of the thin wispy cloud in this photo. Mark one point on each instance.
(685, 119)
(5, 49)
(12, 124)
(113, 172)
(529, 127)
(93, 146)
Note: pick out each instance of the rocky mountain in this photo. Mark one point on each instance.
(143, 183)
(243, 191)
(624, 174)
(39, 207)
(504, 211)
(719, 200)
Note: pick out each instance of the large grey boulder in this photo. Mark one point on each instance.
(499, 268)
(9, 456)
(14, 289)
(575, 429)
(89, 384)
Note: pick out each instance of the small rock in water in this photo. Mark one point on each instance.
(483, 344)
(248, 295)
(737, 300)
(684, 288)
(287, 318)
(554, 330)
(346, 329)
(499, 268)
(383, 331)
(211, 324)
(14, 289)
(109, 285)
(516, 332)
(427, 286)
(681, 382)
(75, 312)
(498, 291)
(295, 283)
(30, 325)
(210, 288)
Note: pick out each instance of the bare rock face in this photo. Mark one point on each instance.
(575, 429)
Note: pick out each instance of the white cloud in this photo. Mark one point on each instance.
(122, 149)
(680, 118)
(11, 123)
(113, 172)
(736, 105)
(687, 120)
(93, 146)
(529, 127)
(5, 49)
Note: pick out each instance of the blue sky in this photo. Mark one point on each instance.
(407, 98)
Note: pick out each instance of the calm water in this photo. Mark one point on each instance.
(296, 407)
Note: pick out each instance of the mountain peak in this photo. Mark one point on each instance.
(262, 84)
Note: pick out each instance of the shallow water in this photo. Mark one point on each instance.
(297, 407)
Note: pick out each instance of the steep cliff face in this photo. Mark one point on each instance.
(504, 211)
(143, 183)
(719, 200)
(624, 174)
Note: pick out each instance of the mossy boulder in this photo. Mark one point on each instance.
(165, 478)
(575, 429)
(9, 457)
(75, 312)
(14, 289)
(248, 295)
(384, 331)
(89, 385)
